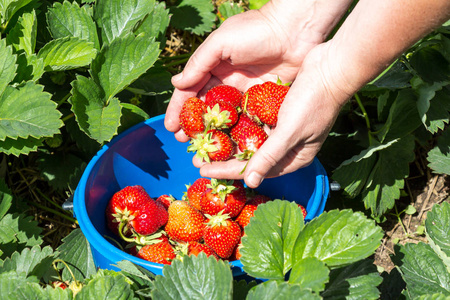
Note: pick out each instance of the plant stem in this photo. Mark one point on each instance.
(177, 62)
(53, 211)
(366, 116)
(63, 100)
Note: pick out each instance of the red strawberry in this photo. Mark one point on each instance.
(161, 253)
(236, 255)
(304, 212)
(264, 101)
(221, 116)
(191, 116)
(185, 223)
(222, 234)
(248, 211)
(165, 200)
(195, 248)
(243, 121)
(223, 195)
(250, 140)
(59, 284)
(225, 93)
(195, 191)
(133, 207)
(215, 145)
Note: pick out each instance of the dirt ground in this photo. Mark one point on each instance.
(423, 192)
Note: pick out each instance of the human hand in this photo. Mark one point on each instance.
(253, 47)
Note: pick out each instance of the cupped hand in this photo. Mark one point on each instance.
(253, 47)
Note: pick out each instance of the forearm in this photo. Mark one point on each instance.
(377, 32)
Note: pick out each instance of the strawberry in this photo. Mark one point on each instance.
(248, 211)
(223, 195)
(243, 121)
(160, 253)
(133, 207)
(236, 255)
(191, 117)
(222, 234)
(59, 284)
(215, 145)
(195, 248)
(249, 140)
(225, 93)
(264, 101)
(304, 212)
(194, 192)
(165, 200)
(221, 116)
(185, 223)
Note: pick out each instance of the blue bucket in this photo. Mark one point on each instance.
(150, 156)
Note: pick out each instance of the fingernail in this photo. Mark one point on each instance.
(254, 179)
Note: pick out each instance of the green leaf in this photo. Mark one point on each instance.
(156, 81)
(76, 251)
(396, 76)
(9, 7)
(439, 156)
(67, 53)
(29, 287)
(422, 269)
(119, 64)
(70, 20)
(18, 232)
(106, 287)
(155, 24)
(57, 167)
(278, 224)
(281, 291)
(410, 210)
(338, 238)
(31, 262)
(20, 146)
(403, 117)
(97, 118)
(196, 16)
(30, 68)
(21, 111)
(136, 273)
(356, 281)
(117, 18)
(438, 226)
(431, 64)
(241, 288)
(196, 277)
(310, 273)
(131, 115)
(436, 296)
(7, 65)
(257, 4)
(438, 114)
(229, 9)
(5, 198)
(387, 176)
(23, 35)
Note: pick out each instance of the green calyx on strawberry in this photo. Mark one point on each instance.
(215, 145)
(221, 116)
(221, 187)
(223, 195)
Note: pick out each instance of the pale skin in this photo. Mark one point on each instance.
(286, 39)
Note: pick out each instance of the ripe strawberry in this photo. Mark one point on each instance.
(250, 140)
(194, 192)
(185, 223)
(225, 93)
(249, 209)
(222, 234)
(59, 284)
(223, 195)
(236, 255)
(160, 253)
(221, 116)
(243, 121)
(191, 116)
(264, 101)
(165, 200)
(304, 212)
(195, 248)
(215, 145)
(133, 207)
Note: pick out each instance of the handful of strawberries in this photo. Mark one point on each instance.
(229, 120)
(211, 217)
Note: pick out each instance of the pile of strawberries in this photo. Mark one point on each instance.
(211, 217)
(229, 120)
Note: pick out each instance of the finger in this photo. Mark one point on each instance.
(231, 169)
